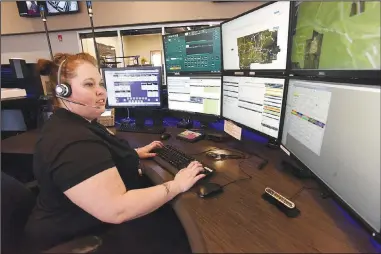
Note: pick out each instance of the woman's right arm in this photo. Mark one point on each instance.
(105, 197)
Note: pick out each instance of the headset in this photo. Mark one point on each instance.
(63, 90)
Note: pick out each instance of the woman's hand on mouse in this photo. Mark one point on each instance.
(188, 176)
(145, 151)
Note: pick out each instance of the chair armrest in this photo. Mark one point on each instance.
(31, 185)
(81, 245)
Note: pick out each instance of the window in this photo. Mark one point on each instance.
(108, 48)
(156, 58)
(142, 46)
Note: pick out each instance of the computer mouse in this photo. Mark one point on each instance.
(208, 189)
(165, 136)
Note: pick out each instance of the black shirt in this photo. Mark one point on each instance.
(70, 150)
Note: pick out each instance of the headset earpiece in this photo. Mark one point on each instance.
(63, 90)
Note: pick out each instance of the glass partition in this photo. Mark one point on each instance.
(142, 46)
(108, 47)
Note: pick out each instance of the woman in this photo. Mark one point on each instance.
(87, 176)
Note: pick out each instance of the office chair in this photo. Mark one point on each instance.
(17, 202)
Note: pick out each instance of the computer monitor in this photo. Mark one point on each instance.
(61, 7)
(133, 86)
(337, 36)
(258, 39)
(31, 8)
(196, 51)
(334, 130)
(254, 103)
(195, 94)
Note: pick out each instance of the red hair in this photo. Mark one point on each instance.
(68, 70)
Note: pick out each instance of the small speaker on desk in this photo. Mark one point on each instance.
(285, 205)
(107, 119)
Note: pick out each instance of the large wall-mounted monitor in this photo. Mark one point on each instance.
(334, 130)
(32, 8)
(195, 94)
(29, 8)
(254, 103)
(133, 87)
(257, 40)
(61, 7)
(340, 38)
(197, 51)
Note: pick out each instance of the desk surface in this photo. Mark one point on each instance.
(20, 144)
(239, 220)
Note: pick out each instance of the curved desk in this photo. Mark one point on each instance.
(238, 220)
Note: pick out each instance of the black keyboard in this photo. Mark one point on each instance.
(127, 127)
(173, 160)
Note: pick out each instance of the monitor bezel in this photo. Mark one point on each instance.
(348, 76)
(62, 13)
(276, 140)
(260, 72)
(293, 156)
(136, 68)
(326, 188)
(192, 113)
(44, 3)
(191, 72)
(30, 15)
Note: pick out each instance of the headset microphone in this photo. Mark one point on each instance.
(78, 103)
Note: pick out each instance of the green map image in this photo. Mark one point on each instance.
(259, 48)
(337, 36)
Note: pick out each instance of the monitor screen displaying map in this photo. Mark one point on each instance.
(257, 40)
(337, 36)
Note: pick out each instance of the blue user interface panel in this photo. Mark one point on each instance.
(133, 87)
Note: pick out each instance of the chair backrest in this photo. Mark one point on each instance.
(17, 203)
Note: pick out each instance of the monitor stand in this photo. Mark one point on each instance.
(204, 125)
(272, 144)
(140, 121)
(142, 115)
(377, 237)
(185, 123)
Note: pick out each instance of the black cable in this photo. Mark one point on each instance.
(296, 194)
(293, 197)
(193, 154)
(63, 101)
(240, 179)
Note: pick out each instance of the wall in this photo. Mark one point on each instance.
(33, 46)
(109, 13)
(142, 45)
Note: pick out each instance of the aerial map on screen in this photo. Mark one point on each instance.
(258, 47)
(337, 36)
